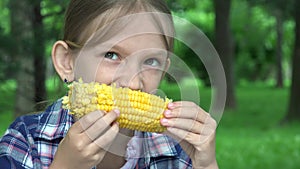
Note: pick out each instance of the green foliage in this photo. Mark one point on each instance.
(200, 15)
(254, 35)
(7, 90)
(254, 31)
(252, 22)
(55, 90)
(272, 6)
(179, 5)
(6, 45)
(4, 16)
(254, 41)
(53, 12)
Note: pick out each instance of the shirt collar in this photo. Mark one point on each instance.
(156, 145)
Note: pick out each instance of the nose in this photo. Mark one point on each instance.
(134, 83)
(130, 76)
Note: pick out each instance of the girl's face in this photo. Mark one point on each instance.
(137, 62)
(135, 57)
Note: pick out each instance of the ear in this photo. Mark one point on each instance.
(63, 61)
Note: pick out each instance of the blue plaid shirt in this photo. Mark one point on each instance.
(32, 140)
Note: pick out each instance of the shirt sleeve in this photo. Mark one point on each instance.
(16, 147)
(9, 163)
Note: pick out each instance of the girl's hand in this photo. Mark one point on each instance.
(87, 141)
(195, 130)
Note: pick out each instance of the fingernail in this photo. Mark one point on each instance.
(117, 112)
(171, 105)
(168, 113)
(164, 121)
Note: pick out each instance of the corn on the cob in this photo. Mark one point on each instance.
(139, 111)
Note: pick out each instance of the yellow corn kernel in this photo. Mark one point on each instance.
(139, 110)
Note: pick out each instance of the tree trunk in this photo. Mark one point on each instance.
(279, 30)
(224, 46)
(39, 58)
(294, 102)
(21, 30)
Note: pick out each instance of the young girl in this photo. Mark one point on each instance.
(126, 43)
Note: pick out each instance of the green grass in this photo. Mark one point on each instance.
(253, 148)
(249, 137)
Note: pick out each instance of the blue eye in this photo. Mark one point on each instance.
(112, 56)
(152, 62)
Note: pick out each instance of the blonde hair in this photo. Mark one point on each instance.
(81, 15)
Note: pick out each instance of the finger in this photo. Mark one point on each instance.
(184, 124)
(101, 125)
(183, 135)
(78, 128)
(188, 110)
(92, 152)
(177, 134)
(107, 138)
(205, 132)
(173, 105)
(87, 120)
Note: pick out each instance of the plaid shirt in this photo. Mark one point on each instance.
(32, 140)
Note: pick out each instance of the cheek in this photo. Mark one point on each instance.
(105, 74)
(151, 80)
(85, 69)
(86, 66)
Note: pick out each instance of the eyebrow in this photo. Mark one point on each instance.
(147, 51)
(158, 53)
(120, 50)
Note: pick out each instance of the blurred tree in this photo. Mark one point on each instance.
(52, 12)
(181, 5)
(254, 38)
(294, 106)
(200, 14)
(45, 13)
(39, 55)
(279, 43)
(224, 46)
(280, 9)
(29, 34)
(6, 64)
(6, 44)
(21, 33)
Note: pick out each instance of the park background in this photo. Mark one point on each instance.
(258, 43)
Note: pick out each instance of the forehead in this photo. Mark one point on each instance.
(133, 26)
